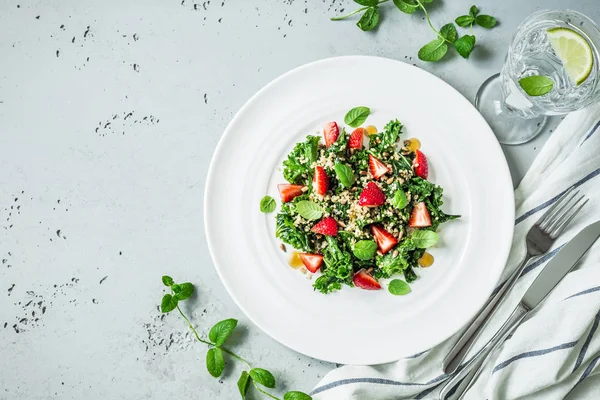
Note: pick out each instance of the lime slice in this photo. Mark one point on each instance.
(574, 52)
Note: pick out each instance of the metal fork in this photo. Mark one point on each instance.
(539, 240)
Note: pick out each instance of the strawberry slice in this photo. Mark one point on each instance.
(320, 181)
(326, 226)
(371, 196)
(356, 138)
(420, 164)
(377, 168)
(288, 192)
(385, 240)
(330, 133)
(420, 217)
(364, 280)
(312, 262)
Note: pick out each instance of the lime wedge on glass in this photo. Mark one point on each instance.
(574, 51)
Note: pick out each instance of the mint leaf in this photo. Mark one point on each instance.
(296, 396)
(263, 377)
(168, 303)
(473, 11)
(464, 45)
(221, 331)
(398, 287)
(406, 6)
(423, 239)
(267, 204)
(536, 85)
(215, 364)
(243, 383)
(167, 281)
(399, 200)
(364, 249)
(309, 210)
(448, 31)
(345, 174)
(464, 20)
(486, 21)
(183, 291)
(368, 3)
(433, 51)
(369, 20)
(357, 116)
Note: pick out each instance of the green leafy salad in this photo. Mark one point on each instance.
(359, 207)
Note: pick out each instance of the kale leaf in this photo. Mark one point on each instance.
(291, 234)
(300, 159)
(337, 270)
(387, 140)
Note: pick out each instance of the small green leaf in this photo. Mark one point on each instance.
(536, 85)
(364, 249)
(357, 116)
(448, 31)
(426, 1)
(423, 239)
(167, 280)
(215, 364)
(464, 20)
(473, 11)
(345, 174)
(486, 21)
(398, 287)
(263, 377)
(309, 210)
(221, 331)
(434, 50)
(294, 395)
(464, 45)
(399, 200)
(168, 303)
(243, 383)
(267, 204)
(183, 291)
(406, 6)
(368, 3)
(369, 20)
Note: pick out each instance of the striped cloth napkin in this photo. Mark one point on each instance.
(555, 353)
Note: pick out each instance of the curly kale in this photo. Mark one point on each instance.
(337, 270)
(431, 194)
(300, 159)
(387, 140)
(291, 234)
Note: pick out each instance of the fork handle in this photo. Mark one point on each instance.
(460, 349)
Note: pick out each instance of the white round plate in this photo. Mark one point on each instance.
(354, 326)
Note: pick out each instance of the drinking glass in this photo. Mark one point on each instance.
(517, 117)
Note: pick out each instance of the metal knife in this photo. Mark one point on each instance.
(546, 281)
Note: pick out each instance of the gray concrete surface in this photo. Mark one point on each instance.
(109, 115)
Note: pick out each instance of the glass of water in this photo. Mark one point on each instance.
(560, 45)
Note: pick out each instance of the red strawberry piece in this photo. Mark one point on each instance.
(330, 133)
(356, 138)
(364, 280)
(420, 217)
(326, 226)
(312, 262)
(288, 192)
(320, 181)
(377, 168)
(371, 196)
(420, 164)
(385, 240)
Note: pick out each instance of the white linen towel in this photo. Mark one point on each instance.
(555, 353)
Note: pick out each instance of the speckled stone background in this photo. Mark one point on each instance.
(109, 113)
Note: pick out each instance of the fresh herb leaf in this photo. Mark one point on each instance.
(369, 20)
(448, 31)
(215, 364)
(168, 303)
(309, 210)
(294, 395)
(263, 377)
(183, 291)
(368, 3)
(473, 11)
(398, 287)
(423, 239)
(434, 50)
(357, 116)
(267, 204)
(167, 281)
(464, 20)
(536, 85)
(364, 249)
(486, 21)
(399, 200)
(406, 6)
(345, 174)
(221, 331)
(243, 384)
(464, 45)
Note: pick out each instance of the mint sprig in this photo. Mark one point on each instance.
(217, 336)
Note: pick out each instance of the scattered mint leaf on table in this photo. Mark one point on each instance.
(398, 287)
(267, 204)
(423, 239)
(486, 21)
(406, 6)
(296, 396)
(345, 174)
(221, 331)
(473, 11)
(168, 303)
(182, 291)
(263, 377)
(357, 116)
(464, 45)
(309, 210)
(464, 20)
(215, 363)
(449, 33)
(167, 280)
(369, 20)
(536, 85)
(243, 383)
(365, 249)
(434, 50)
